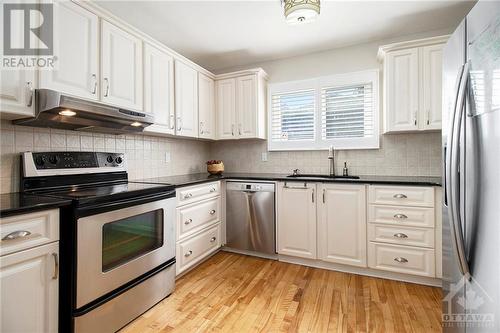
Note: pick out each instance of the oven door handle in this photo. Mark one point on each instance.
(93, 209)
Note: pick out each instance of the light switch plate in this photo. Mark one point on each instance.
(167, 157)
(264, 157)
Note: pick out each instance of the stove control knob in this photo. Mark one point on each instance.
(40, 161)
(110, 159)
(119, 160)
(53, 159)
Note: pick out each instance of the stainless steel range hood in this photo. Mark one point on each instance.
(51, 107)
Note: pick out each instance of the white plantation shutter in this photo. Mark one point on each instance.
(347, 112)
(339, 110)
(293, 116)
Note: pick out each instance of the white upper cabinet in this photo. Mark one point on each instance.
(76, 41)
(241, 105)
(412, 85)
(226, 106)
(121, 63)
(342, 224)
(401, 85)
(206, 107)
(296, 224)
(432, 58)
(186, 100)
(159, 89)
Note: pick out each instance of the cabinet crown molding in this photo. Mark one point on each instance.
(259, 71)
(382, 51)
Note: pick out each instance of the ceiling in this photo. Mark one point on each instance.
(224, 34)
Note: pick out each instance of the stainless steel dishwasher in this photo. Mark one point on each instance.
(250, 217)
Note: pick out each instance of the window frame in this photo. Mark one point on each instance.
(331, 81)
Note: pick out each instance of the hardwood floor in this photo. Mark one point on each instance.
(236, 293)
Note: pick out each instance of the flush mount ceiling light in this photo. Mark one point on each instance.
(301, 11)
(67, 113)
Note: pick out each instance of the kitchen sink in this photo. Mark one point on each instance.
(305, 175)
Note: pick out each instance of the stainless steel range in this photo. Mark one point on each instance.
(117, 238)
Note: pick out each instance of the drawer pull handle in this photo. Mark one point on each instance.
(17, 234)
(212, 212)
(400, 235)
(188, 253)
(401, 260)
(188, 221)
(56, 266)
(399, 196)
(213, 239)
(188, 195)
(400, 216)
(213, 189)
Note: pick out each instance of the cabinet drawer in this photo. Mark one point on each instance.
(190, 194)
(25, 231)
(401, 259)
(401, 235)
(405, 216)
(194, 217)
(401, 195)
(194, 249)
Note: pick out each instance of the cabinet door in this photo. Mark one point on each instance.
(401, 89)
(159, 89)
(16, 85)
(121, 56)
(186, 100)
(246, 106)
(29, 296)
(206, 107)
(226, 108)
(342, 226)
(76, 47)
(297, 220)
(431, 87)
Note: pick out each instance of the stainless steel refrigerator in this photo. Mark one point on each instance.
(471, 153)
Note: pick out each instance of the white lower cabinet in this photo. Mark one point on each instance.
(342, 224)
(198, 227)
(29, 277)
(297, 219)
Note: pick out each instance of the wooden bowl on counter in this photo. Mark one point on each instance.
(215, 169)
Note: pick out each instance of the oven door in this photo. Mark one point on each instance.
(117, 246)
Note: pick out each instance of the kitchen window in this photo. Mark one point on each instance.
(339, 110)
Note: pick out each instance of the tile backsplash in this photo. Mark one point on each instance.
(146, 155)
(399, 155)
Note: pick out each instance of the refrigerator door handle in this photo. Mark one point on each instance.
(453, 174)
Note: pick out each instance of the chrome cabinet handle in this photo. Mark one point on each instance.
(94, 77)
(201, 127)
(400, 216)
(106, 92)
(16, 235)
(324, 196)
(172, 121)
(400, 235)
(179, 124)
(296, 188)
(399, 196)
(212, 212)
(212, 189)
(188, 195)
(56, 266)
(31, 92)
(188, 221)
(428, 117)
(239, 129)
(232, 129)
(312, 195)
(213, 239)
(415, 117)
(187, 254)
(401, 260)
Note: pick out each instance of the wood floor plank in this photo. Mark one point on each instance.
(237, 293)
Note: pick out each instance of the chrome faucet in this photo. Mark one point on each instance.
(295, 172)
(331, 157)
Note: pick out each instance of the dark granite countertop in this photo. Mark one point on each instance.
(185, 180)
(19, 203)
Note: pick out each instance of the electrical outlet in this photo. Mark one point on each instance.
(167, 157)
(264, 157)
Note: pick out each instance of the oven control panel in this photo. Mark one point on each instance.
(72, 160)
